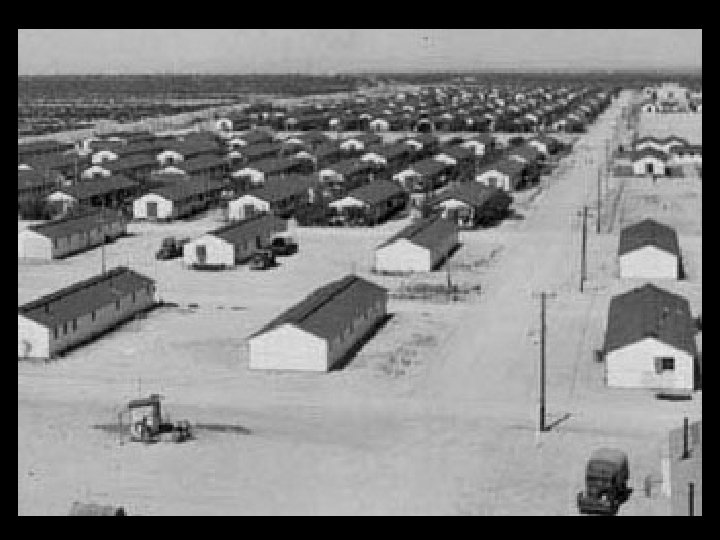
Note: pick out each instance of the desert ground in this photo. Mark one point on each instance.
(435, 415)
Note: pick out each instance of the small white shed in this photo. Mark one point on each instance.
(650, 341)
(649, 250)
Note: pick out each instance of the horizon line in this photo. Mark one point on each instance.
(385, 71)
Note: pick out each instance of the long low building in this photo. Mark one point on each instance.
(318, 332)
(63, 237)
(107, 192)
(281, 196)
(226, 246)
(371, 203)
(650, 341)
(73, 315)
(177, 199)
(419, 247)
(471, 204)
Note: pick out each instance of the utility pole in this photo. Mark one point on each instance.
(541, 424)
(691, 498)
(597, 221)
(584, 246)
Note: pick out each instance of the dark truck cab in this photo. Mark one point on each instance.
(283, 245)
(606, 479)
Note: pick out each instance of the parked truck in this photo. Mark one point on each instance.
(171, 248)
(606, 477)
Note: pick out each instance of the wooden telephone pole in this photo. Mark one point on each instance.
(541, 425)
(542, 375)
(691, 499)
(584, 248)
(597, 221)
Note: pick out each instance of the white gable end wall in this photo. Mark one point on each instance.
(633, 366)
(403, 256)
(288, 347)
(164, 207)
(649, 262)
(32, 245)
(237, 207)
(217, 251)
(33, 339)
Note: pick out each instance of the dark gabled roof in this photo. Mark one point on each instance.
(505, 166)
(428, 167)
(103, 186)
(273, 165)
(202, 162)
(84, 297)
(648, 232)
(376, 192)
(389, 151)
(30, 178)
(132, 161)
(134, 148)
(277, 189)
(457, 152)
(260, 150)
(649, 152)
(179, 190)
(327, 311)
(192, 147)
(530, 153)
(649, 311)
(257, 136)
(330, 148)
(57, 161)
(687, 149)
(428, 233)
(240, 231)
(44, 146)
(64, 227)
(101, 145)
(350, 166)
(365, 138)
(474, 194)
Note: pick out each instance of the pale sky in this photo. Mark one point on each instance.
(54, 51)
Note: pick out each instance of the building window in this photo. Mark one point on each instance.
(64, 328)
(133, 297)
(117, 304)
(74, 326)
(56, 332)
(93, 316)
(664, 364)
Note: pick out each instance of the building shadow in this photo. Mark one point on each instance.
(348, 357)
(439, 265)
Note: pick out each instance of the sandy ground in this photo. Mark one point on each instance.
(435, 415)
(688, 126)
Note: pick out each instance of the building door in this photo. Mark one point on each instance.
(201, 254)
(649, 168)
(152, 210)
(248, 211)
